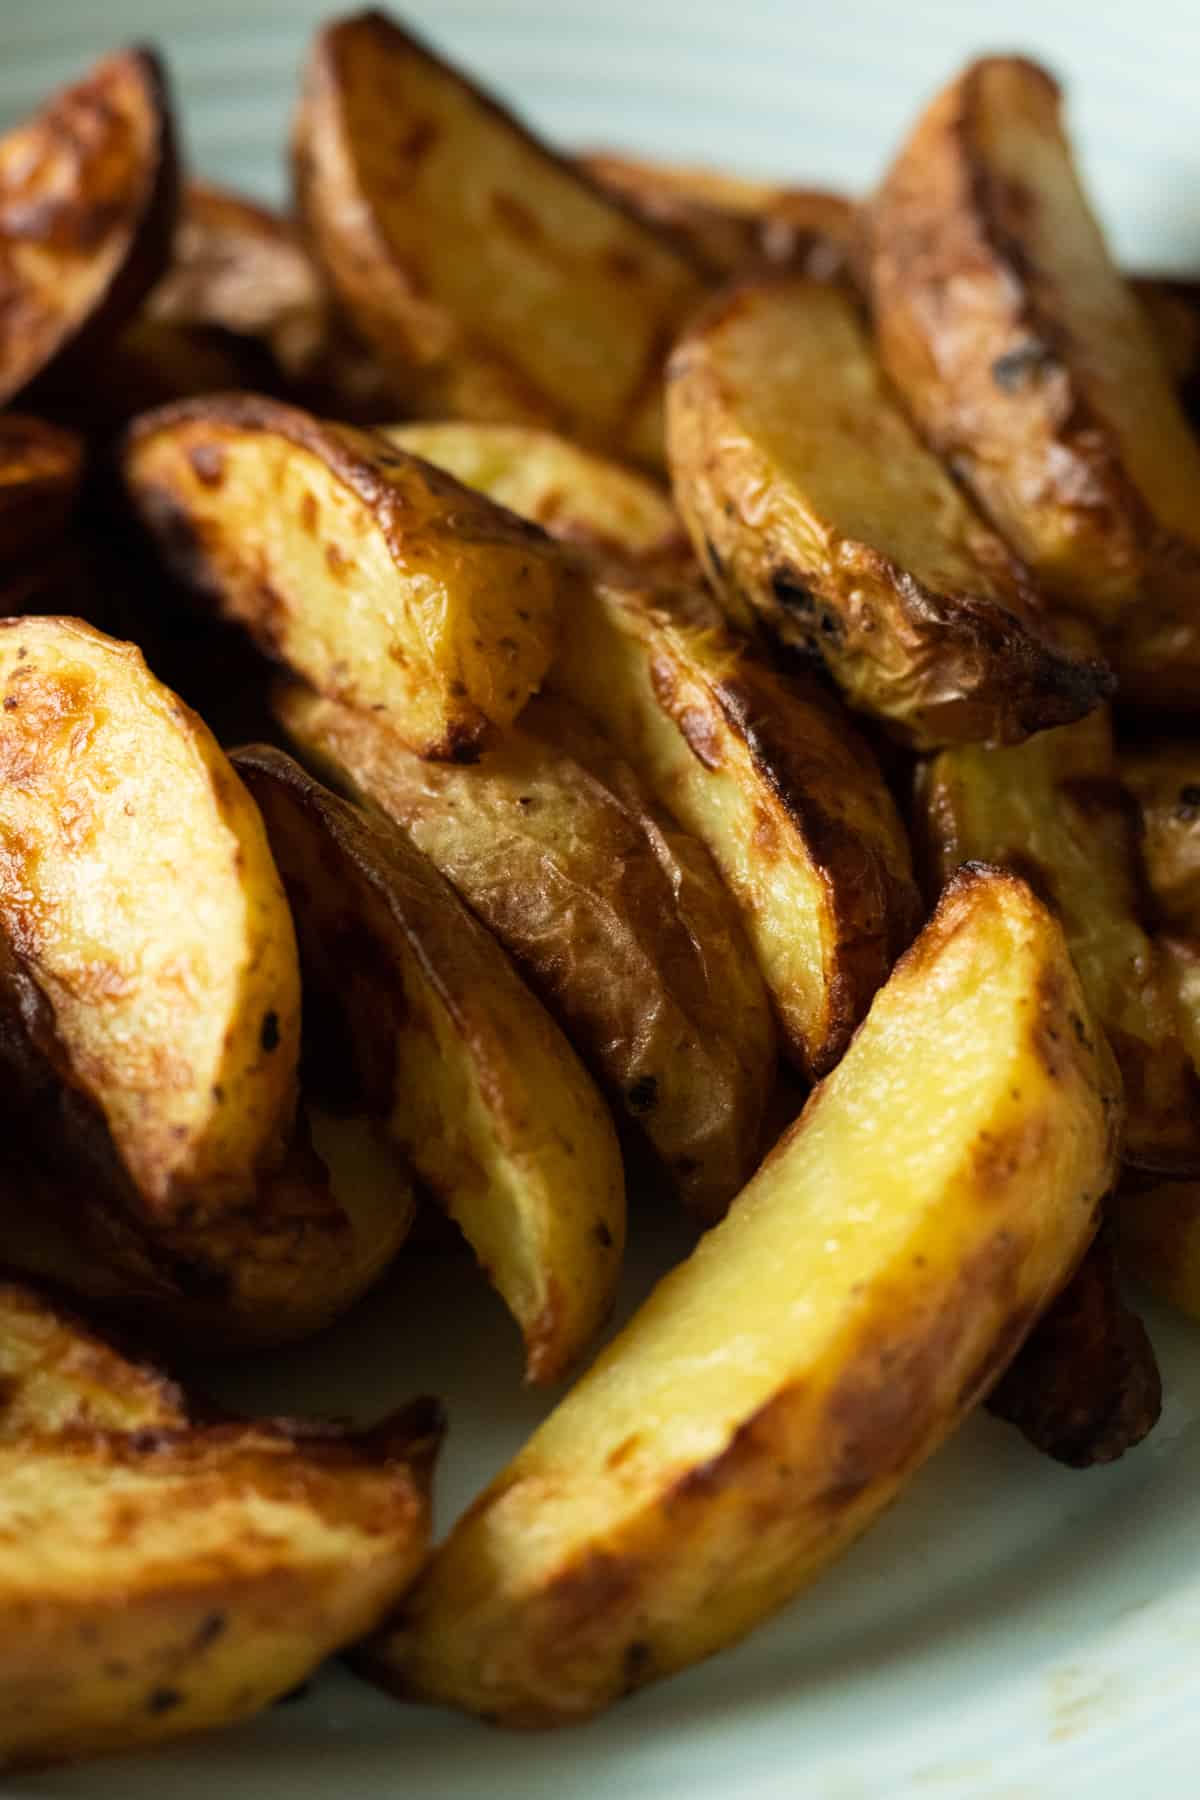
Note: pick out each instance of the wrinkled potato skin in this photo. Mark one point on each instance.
(576, 882)
(729, 1444)
(768, 773)
(1084, 1387)
(1026, 361)
(210, 1570)
(417, 1019)
(489, 277)
(380, 580)
(1165, 782)
(813, 507)
(1055, 811)
(41, 467)
(88, 192)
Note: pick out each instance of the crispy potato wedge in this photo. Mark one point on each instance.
(88, 191)
(492, 279)
(766, 772)
(1025, 359)
(159, 1582)
(731, 222)
(57, 1374)
(812, 505)
(418, 1019)
(1055, 810)
(146, 949)
(778, 1388)
(638, 955)
(41, 468)
(570, 492)
(1165, 781)
(378, 579)
(1084, 1387)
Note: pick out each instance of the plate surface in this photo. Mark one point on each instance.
(1012, 1629)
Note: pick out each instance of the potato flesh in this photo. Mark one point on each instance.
(56, 1375)
(406, 600)
(139, 893)
(777, 1388)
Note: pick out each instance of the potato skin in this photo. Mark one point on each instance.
(492, 279)
(416, 1019)
(684, 1490)
(1165, 781)
(88, 193)
(580, 887)
(211, 1570)
(1026, 361)
(300, 530)
(768, 773)
(778, 424)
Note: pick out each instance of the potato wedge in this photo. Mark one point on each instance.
(159, 1582)
(586, 895)
(378, 579)
(1084, 1387)
(1165, 781)
(57, 1374)
(500, 1120)
(731, 222)
(767, 773)
(1025, 359)
(570, 492)
(146, 949)
(41, 468)
(492, 279)
(88, 191)
(812, 504)
(1054, 810)
(777, 1389)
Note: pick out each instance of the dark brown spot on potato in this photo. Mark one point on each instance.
(163, 1700)
(516, 217)
(642, 1096)
(209, 1630)
(268, 1036)
(602, 1234)
(208, 462)
(701, 734)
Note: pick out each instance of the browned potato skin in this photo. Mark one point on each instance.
(695, 710)
(497, 347)
(444, 667)
(1165, 782)
(1085, 1385)
(1074, 442)
(957, 652)
(730, 222)
(586, 895)
(416, 1018)
(214, 1569)
(88, 192)
(1055, 810)
(41, 467)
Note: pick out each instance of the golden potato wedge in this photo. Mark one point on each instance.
(378, 579)
(1165, 781)
(146, 949)
(88, 191)
(1025, 359)
(159, 1582)
(1055, 810)
(778, 1388)
(57, 1374)
(489, 276)
(570, 492)
(766, 772)
(812, 504)
(1084, 1387)
(417, 1018)
(731, 222)
(41, 468)
(598, 912)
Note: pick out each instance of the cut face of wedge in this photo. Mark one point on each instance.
(87, 207)
(814, 507)
(781, 1385)
(376, 578)
(417, 1019)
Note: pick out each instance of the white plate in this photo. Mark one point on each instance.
(1012, 1629)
